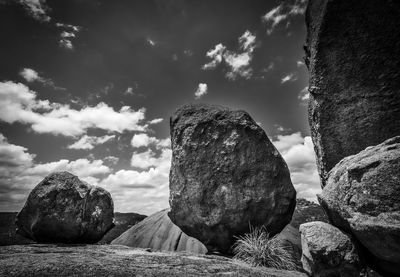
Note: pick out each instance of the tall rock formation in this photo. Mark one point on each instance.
(353, 56)
(225, 176)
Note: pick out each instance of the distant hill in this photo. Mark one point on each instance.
(8, 235)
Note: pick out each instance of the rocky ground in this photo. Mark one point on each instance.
(116, 260)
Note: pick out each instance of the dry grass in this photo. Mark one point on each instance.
(258, 249)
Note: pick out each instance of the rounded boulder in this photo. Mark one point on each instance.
(362, 197)
(225, 176)
(64, 209)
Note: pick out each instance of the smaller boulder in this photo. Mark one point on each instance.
(158, 232)
(327, 251)
(362, 197)
(64, 209)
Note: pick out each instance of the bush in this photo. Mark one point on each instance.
(258, 249)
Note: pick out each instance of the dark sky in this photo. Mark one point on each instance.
(88, 86)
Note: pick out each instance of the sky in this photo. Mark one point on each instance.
(89, 86)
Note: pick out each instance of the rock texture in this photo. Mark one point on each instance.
(62, 208)
(225, 175)
(116, 260)
(353, 56)
(327, 251)
(362, 197)
(158, 232)
(122, 222)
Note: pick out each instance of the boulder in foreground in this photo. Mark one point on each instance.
(118, 260)
(225, 175)
(64, 209)
(158, 232)
(362, 197)
(327, 251)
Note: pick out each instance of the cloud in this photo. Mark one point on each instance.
(89, 142)
(37, 8)
(283, 13)
(215, 55)
(19, 104)
(68, 33)
(149, 158)
(299, 63)
(304, 95)
(30, 75)
(19, 173)
(143, 190)
(112, 159)
(155, 121)
(202, 90)
(238, 63)
(144, 140)
(298, 152)
(289, 78)
(151, 42)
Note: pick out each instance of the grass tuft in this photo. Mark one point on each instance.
(258, 249)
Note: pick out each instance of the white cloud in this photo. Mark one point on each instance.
(289, 78)
(283, 13)
(19, 173)
(37, 8)
(89, 142)
(30, 75)
(238, 63)
(216, 56)
(112, 159)
(202, 90)
(299, 155)
(155, 121)
(69, 32)
(19, 104)
(304, 95)
(299, 63)
(151, 42)
(144, 140)
(148, 158)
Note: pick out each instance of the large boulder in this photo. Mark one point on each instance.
(225, 176)
(158, 232)
(362, 197)
(353, 56)
(62, 208)
(327, 251)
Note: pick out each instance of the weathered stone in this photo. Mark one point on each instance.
(327, 251)
(62, 208)
(353, 56)
(225, 176)
(362, 197)
(158, 232)
(117, 260)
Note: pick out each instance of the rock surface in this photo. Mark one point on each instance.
(122, 222)
(116, 260)
(225, 175)
(62, 208)
(353, 56)
(362, 197)
(327, 251)
(158, 232)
